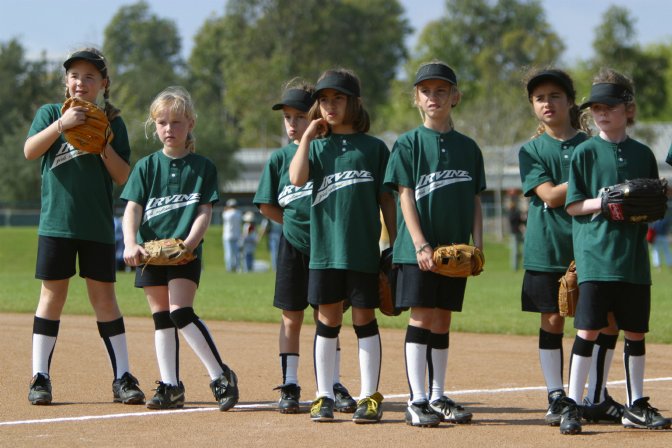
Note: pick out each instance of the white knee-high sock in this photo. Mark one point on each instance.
(289, 363)
(370, 354)
(551, 359)
(45, 333)
(415, 351)
(168, 354)
(634, 360)
(324, 352)
(198, 337)
(113, 334)
(579, 367)
(437, 362)
(603, 354)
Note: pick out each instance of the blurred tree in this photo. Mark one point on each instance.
(267, 42)
(26, 85)
(143, 51)
(616, 47)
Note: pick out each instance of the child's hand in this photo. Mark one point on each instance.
(134, 254)
(317, 128)
(426, 259)
(73, 117)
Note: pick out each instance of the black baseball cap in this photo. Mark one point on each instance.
(89, 56)
(296, 98)
(556, 77)
(609, 94)
(342, 82)
(435, 71)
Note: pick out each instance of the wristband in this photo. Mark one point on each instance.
(59, 126)
(421, 248)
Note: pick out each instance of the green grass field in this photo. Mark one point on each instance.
(492, 303)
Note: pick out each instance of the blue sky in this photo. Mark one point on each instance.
(53, 29)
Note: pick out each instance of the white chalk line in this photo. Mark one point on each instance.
(273, 404)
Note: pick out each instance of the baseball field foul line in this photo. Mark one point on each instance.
(273, 404)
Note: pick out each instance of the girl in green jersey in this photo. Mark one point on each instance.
(170, 194)
(76, 222)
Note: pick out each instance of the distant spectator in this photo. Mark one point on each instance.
(660, 246)
(274, 232)
(517, 221)
(231, 235)
(119, 246)
(250, 240)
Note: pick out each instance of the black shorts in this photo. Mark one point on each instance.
(426, 289)
(540, 291)
(161, 275)
(56, 259)
(291, 278)
(630, 303)
(326, 286)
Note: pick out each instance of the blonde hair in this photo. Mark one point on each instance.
(111, 111)
(610, 76)
(454, 90)
(176, 100)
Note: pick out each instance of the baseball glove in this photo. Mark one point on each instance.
(635, 201)
(568, 294)
(94, 134)
(458, 260)
(168, 252)
(387, 282)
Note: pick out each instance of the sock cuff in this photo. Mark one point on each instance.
(635, 348)
(286, 355)
(417, 335)
(111, 328)
(607, 341)
(183, 316)
(326, 331)
(367, 330)
(162, 320)
(549, 341)
(439, 341)
(583, 347)
(45, 327)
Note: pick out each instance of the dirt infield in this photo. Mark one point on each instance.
(496, 377)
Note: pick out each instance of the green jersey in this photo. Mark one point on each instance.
(548, 236)
(170, 192)
(605, 250)
(446, 171)
(669, 156)
(276, 189)
(77, 189)
(347, 172)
